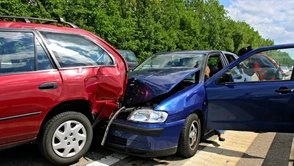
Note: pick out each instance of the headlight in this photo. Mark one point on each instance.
(148, 116)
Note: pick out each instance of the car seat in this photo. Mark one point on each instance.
(213, 70)
(219, 65)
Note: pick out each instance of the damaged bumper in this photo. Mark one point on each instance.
(143, 153)
(137, 130)
(142, 139)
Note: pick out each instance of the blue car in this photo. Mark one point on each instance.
(172, 102)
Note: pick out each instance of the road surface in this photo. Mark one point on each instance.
(239, 149)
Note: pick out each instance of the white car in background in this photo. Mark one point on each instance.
(285, 70)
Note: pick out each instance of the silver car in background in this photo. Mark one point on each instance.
(130, 58)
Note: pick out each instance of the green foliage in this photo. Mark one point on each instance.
(212, 61)
(281, 57)
(148, 26)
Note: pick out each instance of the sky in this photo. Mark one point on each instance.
(273, 19)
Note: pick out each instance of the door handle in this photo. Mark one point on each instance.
(284, 90)
(48, 85)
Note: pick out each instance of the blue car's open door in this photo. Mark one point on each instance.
(261, 101)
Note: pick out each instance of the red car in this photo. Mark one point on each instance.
(56, 83)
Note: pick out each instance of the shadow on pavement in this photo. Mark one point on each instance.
(215, 144)
(228, 152)
(24, 155)
(29, 155)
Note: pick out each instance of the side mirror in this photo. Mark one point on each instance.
(226, 77)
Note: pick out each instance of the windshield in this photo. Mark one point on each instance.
(128, 55)
(172, 60)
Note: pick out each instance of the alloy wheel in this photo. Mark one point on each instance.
(193, 134)
(69, 138)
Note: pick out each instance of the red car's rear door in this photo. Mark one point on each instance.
(28, 82)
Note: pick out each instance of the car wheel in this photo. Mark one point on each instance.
(190, 136)
(66, 138)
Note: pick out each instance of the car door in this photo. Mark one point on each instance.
(28, 81)
(250, 94)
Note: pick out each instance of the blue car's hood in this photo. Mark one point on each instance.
(147, 84)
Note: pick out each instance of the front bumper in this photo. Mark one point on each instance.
(144, 140)
(142, 153)
(137, 130)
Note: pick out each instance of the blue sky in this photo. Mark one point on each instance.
(273, 19)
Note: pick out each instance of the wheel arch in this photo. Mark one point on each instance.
(200, 115)
(79, 105)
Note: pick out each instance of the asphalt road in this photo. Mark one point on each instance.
(265, 149)
(270, 149)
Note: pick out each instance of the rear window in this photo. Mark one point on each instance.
(128, 55)
(73, 50)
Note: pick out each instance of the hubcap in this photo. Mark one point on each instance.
(69, 138)
(193, 134)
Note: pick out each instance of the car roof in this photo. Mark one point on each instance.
(227, 52)
(24, 25)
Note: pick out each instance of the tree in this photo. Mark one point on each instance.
(148, 26)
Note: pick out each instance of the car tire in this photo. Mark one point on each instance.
(190, 136)
(66, 137)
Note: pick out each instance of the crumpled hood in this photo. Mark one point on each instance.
(148, 84)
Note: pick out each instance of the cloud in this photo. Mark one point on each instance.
(273, 19)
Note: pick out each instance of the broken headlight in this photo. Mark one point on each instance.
(148, 116)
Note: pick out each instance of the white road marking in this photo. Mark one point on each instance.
(291, 159)
(109, 160)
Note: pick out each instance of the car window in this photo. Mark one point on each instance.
(42, 58)
(131, 57)
(214, 64)
(73, 50)
(230, 58)
(123, 53)
(128, 55)
(17, 52)
(262, 67)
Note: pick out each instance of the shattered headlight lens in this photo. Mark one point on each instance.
(148, 116)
